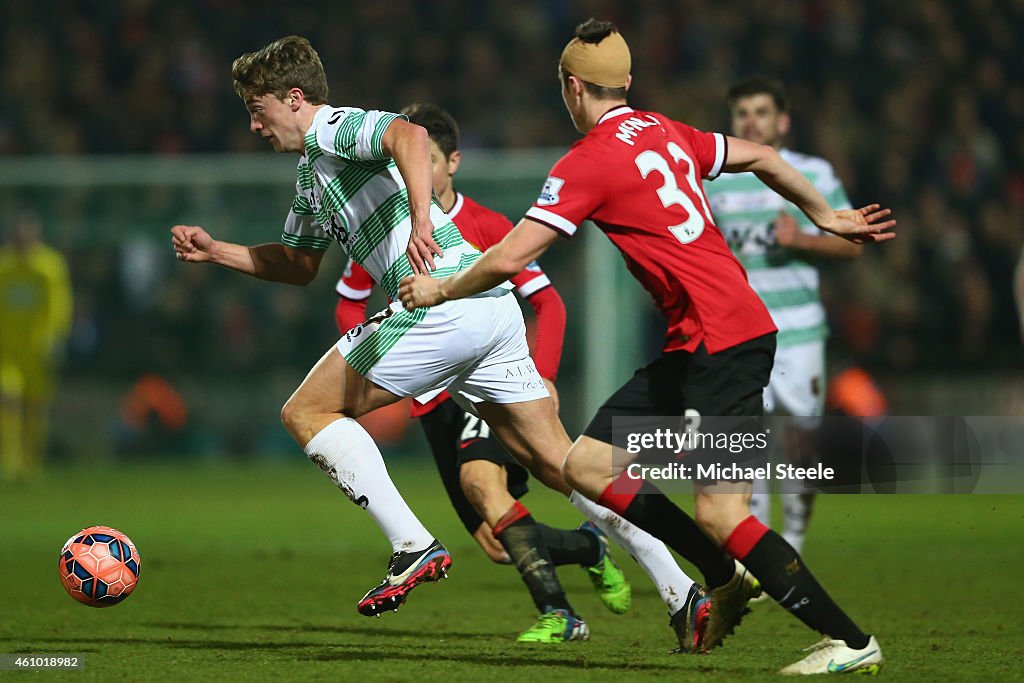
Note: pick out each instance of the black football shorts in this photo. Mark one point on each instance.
(729, 383)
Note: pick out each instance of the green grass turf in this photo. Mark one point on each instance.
(253, 572)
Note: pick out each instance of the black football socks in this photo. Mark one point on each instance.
(519, 536)
(567, 546)
(784, 577)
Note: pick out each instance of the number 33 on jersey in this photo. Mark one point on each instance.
(637, 176)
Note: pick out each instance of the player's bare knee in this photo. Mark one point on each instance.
(291, 418)
(480, 480)
(300, 419)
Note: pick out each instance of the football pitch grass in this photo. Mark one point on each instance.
(252, 572)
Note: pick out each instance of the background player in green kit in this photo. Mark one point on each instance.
(779, 248)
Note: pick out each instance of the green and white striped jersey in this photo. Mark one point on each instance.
(745, 209)
(349, 190)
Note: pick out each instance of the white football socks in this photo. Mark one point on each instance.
(795, 510)
(672, 583)
(350, 458)
(761, 502)
(795, 513)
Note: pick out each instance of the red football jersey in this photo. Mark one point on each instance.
(637, 175)
(355, 283)
(483, 228)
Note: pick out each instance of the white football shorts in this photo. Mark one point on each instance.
(797, 384)
(476, 347)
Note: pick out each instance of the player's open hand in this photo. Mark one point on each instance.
(191, 243)
(862, 225)
(422, 248)
(420, 291)
(491, 546)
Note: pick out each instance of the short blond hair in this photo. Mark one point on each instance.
(286, 63)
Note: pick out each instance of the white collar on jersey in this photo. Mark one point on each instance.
(320, 114)
(615, 111)
(457, 206)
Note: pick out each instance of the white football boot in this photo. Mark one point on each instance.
(834, 657)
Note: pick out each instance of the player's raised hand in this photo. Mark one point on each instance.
(191, 243)
(422, 248)
(862, 225)
(420, 291)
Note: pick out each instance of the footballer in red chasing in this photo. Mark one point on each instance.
(637, 175)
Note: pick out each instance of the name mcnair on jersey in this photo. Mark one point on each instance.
(628, 130)
(632, 126)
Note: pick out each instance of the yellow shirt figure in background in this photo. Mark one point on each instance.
(35, 317)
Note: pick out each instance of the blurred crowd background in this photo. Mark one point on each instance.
(919, 105)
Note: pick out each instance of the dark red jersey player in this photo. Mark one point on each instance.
(637, 175)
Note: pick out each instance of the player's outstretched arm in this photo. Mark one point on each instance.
(408, 145)
(823, 245)
(272, 262)
(523, 245)
(857, 225)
